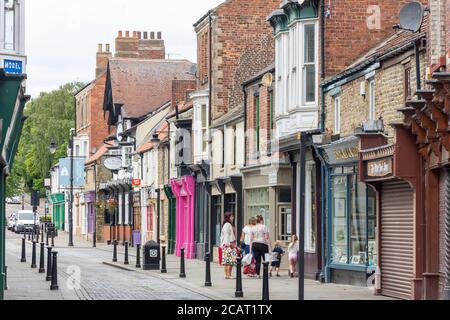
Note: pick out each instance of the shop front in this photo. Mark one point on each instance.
(57, 202)
(137, 218)
(393, 171)
(171, 236)
(351, 217)
(184, 191)
(267, 192)
(90, 199)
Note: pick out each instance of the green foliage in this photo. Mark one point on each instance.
(49, 116)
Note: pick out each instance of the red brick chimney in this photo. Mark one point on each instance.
(127, 47)
(152, 48)
(102, 59)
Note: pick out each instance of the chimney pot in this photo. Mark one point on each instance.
(159, 35)
(100, 47)
(107, 47)
(152, 35)
(127, 34)
(145, 35)
(120, 34)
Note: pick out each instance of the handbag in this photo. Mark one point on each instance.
(247, 260)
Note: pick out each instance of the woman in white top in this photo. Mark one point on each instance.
(246, 233)
(260, 241)
(293, 249)
(228, 245)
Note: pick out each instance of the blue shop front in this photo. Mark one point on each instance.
(350, 211)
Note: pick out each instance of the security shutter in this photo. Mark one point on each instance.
(397, 239)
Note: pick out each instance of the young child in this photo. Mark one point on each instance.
(278, 250)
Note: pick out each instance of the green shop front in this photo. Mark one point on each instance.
(57, 201)
(12, 104)
(350, 210)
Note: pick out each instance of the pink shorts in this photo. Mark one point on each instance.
(293, 257)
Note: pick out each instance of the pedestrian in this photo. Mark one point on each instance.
(293, 251)
(228, 245)
(245, 237)
(278, 252)
(260, 241)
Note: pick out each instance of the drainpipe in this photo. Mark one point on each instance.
(245, 123)
(95, 210)
(210, 68)
(322, 53)
(447, 238)
(158, 216)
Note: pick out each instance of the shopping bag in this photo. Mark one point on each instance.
(250, 269)
(247, 259)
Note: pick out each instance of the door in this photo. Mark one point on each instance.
(397, 239)
(285, 223)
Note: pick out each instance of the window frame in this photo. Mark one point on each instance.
(305, 64)
(337, 114)
(372, 100)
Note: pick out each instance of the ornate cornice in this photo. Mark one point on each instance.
(279, 21)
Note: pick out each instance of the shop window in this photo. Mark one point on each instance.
(258, 204)
(310, 214)
(285, 214)
(353, 221)
(230, 203)
(217, 216)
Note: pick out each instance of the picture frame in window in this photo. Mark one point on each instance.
(343, 259)
(340, 207)
(355, 260)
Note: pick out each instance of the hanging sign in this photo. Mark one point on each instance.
(136, 183)
(113, 163)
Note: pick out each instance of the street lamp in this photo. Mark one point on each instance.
(52, 147)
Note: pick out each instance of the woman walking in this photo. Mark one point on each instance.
(260, 241)
(292, 250)
(228, 245)
(246, 233)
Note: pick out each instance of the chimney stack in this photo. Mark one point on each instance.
(145, 35)
(152, 48)
(127, 47)
(140, 45)
(102, 59)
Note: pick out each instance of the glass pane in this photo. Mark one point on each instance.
(285, 195)
(339, 247)
(309, 43)
(310, 83)
(371, 210)
(286, 223)
(204, 114)
(9, 29)
(358, 222)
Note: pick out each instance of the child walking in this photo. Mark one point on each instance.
(278, 250)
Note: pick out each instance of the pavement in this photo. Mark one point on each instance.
(86, 273)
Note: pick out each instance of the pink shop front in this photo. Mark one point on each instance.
(184, 191)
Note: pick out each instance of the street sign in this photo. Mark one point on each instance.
(13, 66)
(113, 163)
(136, 183)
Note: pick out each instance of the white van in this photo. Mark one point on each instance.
(26, 220)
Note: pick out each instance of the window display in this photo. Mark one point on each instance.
(353, 219)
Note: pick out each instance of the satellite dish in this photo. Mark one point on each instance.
(267, 80)
(411, 16)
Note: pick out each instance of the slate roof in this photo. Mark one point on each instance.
(142, 86)
(100, 153)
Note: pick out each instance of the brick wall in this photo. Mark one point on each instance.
(98, 129)
(203, 57)
(143, 45)
(239, 26)
(347, 35)
(389, 97)
(437, 45)
(181, 90)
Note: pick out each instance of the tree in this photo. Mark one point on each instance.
(49, 116)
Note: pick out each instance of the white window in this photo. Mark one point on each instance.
(282, 73)
(77, 150)
(126, 156)
(9, 32)
(294, 41)
(309, 63)
(85, 149)
(204, 128)
(372, 106)
(337, 115)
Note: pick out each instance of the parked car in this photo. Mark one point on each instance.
(13, 200)
(11, 222)
(26, 220)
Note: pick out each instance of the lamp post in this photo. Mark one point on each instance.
(71, 145)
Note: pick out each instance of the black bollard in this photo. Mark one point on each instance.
(24, 258)
(265, 294)
(42, 233)
(208, 270)
(37, 234)
(138, 256)
(126, 254)
(42, 258)
(239, 293)
(49, 264)
(33, 256)
(29, 234)
(6, 278)
(182, 268)
(54, 285)
(53, 238)
(163, 262)
(46, 238)
(115, 251)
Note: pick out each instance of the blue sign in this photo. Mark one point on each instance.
(78, 172)
(13, 66)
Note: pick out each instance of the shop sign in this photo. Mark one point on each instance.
(136, 183)
(344, 151)
(346, 154)
(13, 66)
(379, 168)
(113, 163)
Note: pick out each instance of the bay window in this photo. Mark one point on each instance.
(309, 63)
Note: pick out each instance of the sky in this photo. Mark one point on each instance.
(62, 35)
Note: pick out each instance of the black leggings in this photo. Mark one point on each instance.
(259, 251)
